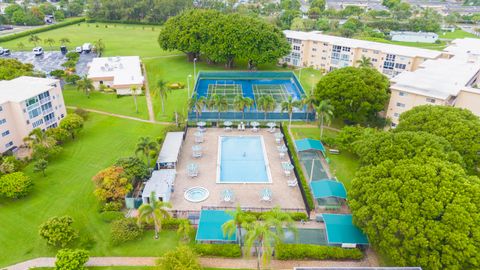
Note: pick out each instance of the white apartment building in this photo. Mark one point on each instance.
(454, 81)
(121, 73)
(27, 103)
(325, 52)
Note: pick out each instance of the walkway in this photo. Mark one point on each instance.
(151, 114)
(121, 116)
(251, 263)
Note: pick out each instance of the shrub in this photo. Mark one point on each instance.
(15, 185)
(112, 206)
(296, 216)
(72, 79)
(182, 257)
(68, 259)
(134, 168)
(59, 134)
(86, 241)
(58, 231)
(73, 56)
(314, 252)
(58, 73)
(171, 223)
(82, 113)
(109, 216)
(218, 250)
(124, 230)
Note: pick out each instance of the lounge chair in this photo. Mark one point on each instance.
(227, 196)
(255, 129)
(287, 173)
(266, 195)
(292, 183)
(228, 129)
(243, 127)
(239, 127)
(197, 154)
(272, 129)
(282, 155)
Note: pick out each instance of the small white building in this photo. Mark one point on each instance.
(168, 157)
(161, 184)
(121, 73)
(406, 36)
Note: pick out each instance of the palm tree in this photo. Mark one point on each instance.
(288, 106)
(260, 236)
(153, 212)
(241, 103)
(239, 217)
(64, 41)
(99, 47)
(325, 113)
(146, 146)
(222, 105)
(184, 229)
(134, 94)
(39, 137)
(365, 62)
(163, 92)
(34, 39)
(20, 46)
(198, 104)
(280, 219)
(49, 41)
(310, 103)
(211, 102)
(266, 104)
(85, 84)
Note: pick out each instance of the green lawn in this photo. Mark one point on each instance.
(457, 34)
(68, 189)
(343, 166)
(430, 46)
(108, 102)
(135, 268)
(309, 78)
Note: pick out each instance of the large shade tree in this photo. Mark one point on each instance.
(357, 94)
(458, 126)
(421, 211)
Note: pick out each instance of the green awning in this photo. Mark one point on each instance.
(328, 188)
(210, 226)
(309, 144)
(340, 230)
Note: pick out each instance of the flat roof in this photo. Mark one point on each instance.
(340, 230)
(364, 44)
(309, 144)
(124, 69)
(210, 226)
(160, 182)
(442, 78)
(171, 147)
(24, 87)
(328, 188)
(357, 268)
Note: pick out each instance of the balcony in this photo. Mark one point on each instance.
(51, 121)
(47, 111)
(45, 100)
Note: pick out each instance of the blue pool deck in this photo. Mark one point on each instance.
(242, 159)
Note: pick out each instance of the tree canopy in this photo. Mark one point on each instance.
(458, 126)
(357, 94)
(12, 68)
(421, 211)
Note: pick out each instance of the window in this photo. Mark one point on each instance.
(394, 125)
(31, 101)
(402, 94)
(314, 49)
(9, 144)
(345, 49)
(431, 100)
(3, 121)
(401, 105)
(364, 50)
(5, 133)
(44, 95)
(374, 60)
(1, 109)
(345, 57)
(396, 115)
(289, 40)
(400, 66)
(315, 42)
(37, 123)
(335, 55)
(313, 56)
(287, 59)
(46, 106)
(337, 48)
(325, 44)
(388, 65)
(376, 52)
(296, 48)
(297, 41)
(324, 58)
(34, 113)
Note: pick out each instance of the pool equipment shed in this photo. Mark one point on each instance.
(342, 232)
(210, 227)
(328, 193)
(161, 183)
(168, 157)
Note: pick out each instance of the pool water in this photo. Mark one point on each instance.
(242, 159)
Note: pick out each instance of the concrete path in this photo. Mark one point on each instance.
(122, 116)
(151, 114)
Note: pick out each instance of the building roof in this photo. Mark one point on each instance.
(210, 226)
(309, 144)
(442, 78)
(24, 87)
(160, 182)
(357, 268)
(416, 34)
(356, 43)
(340, 230)
(328, 188)
(125, 70)
(171, 147)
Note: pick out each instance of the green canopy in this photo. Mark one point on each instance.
(309, 144)
(328, 188)
(210, 226)
(340, 230)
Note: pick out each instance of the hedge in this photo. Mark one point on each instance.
(296, 163)
(171, 223)
(314, 252)
(296, 216)
(218, 250)
(92, 20)
(41, 29)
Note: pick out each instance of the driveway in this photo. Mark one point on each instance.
(82, 63)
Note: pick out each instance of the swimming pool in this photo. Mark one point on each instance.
(242, 159)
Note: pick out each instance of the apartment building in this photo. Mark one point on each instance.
(313, 49)
(454, 81)
(27, 103)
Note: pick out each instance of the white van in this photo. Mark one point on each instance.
(38, 51)
(87, 47)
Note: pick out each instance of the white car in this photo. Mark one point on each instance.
(79, 49)
(87, 47)
(1, 50)
(38, 51)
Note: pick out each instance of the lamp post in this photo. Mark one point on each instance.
(194, 70)
(188, 84)
(312, 82)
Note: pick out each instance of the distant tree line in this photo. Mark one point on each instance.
(34, 15)
(223, 38)
(145, 11)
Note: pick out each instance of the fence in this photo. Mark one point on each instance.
(252, 209)
(248, 116)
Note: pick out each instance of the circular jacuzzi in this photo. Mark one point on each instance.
(196, 194)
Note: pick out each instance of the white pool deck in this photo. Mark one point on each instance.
(245, 194)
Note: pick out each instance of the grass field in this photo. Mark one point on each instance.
(136, 268)
(108, 102)
(457, 34)
(68, 189)
(430, 46)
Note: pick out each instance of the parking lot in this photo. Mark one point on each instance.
(51, 60)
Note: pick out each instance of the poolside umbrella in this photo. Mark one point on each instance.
(192, 169)
(282, 149)
(227, 195)
(278, 135)
(255, 124)
(266, 194)
(287, 166)
(271, 124)
(201, 124)
(227, 123)
(198, 137)
(197, 148)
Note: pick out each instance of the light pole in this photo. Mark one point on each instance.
(194, 70)
(312, 82)
(188, 84)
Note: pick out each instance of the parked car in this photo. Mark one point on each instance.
(63, 49)
(1, 50)
(87, 47)
(6, 52)
(38, 51)
(78, 49)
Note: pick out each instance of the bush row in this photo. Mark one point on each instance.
(218, 250)
(41, 29)
(91, 20)
(296, 163)
(314, 252)
(296, 216)
(171, 223)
